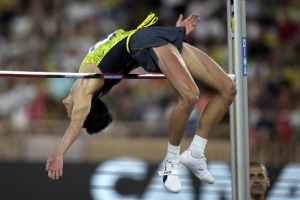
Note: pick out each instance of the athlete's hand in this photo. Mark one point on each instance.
(189, 23)
(54, 166)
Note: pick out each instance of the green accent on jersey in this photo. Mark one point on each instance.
(100, 49)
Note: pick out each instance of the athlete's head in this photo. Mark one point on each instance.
(99, 117)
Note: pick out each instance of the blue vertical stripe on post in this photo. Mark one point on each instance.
(244, 56)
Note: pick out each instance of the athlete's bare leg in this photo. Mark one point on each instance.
(208, 72)
(173, 67)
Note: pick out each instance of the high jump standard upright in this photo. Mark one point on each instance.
(237, 63)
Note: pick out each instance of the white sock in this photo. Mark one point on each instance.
(197, 146)
(173, 153)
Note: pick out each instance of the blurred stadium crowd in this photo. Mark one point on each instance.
(39, 35)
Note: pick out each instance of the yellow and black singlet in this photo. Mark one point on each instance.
(122, 50)
(100, 50)
(112, 55)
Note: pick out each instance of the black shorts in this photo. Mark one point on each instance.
(142, 42)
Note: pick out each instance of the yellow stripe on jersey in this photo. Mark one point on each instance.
(150, 20)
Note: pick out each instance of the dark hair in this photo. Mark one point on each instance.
(98, 118)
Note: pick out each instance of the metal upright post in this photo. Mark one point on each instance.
(242, 137)
(230, 43)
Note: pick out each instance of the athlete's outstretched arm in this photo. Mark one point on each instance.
(190, 23)
(81, 108)
(78, 105)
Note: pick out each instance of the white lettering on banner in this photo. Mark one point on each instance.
(287, 186)
(106, 176)
(111, 179)
(221, 189)
(104, 180)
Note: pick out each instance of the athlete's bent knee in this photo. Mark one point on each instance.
(229, 92)
(189, 99)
